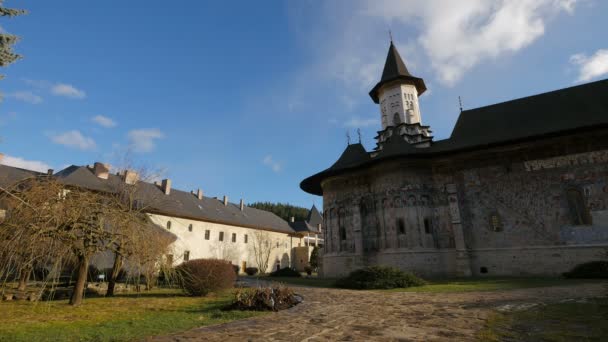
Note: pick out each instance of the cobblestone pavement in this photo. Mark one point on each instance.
(344, 315)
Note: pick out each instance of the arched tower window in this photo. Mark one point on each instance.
(168, 225)
(578, 210)
(396, 119)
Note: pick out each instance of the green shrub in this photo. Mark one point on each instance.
(378, 277)
(251, 270)
(274, 298)
(314, 258)
(285, 272)
(589, 270)
(308, 270)
(198, 277)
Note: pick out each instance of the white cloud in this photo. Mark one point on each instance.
(74, 139)
(591, 67)
(360, 123)
(457, 35)
(67, 90)
(25, 164)
(104, 121)
(57, 89)
(25, 96)
(273, 164)
(143, 140)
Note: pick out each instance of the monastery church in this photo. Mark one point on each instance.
(519, 188)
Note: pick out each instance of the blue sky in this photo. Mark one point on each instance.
(247, 98)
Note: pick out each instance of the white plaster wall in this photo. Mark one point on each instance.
(235, 252)
(401, 99)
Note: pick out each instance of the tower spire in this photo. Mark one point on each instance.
(395, 69)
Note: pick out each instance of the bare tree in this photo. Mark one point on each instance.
(26, 231)
(262, 247)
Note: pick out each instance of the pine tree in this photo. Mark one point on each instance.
(7, 56)
(282, 210)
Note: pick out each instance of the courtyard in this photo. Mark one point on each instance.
(437, 315)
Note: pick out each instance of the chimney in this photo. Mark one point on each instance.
(242, 205)
(292, 219)
(199, 194)
(225, 200)
(49, 172)
(130, 177)
(101, 170)
(319, 227)
(166, 186)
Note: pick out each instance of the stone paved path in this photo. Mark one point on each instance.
(344, 315)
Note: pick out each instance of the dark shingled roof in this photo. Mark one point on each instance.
(395, 69)
(311, 224)
(314, 217)
(563, 111)
(10, 175)
(179, 203)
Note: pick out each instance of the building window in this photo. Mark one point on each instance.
(207, 234)
(190, 227)
(400, 226)
(246, 238)
(186, 255)
(233, 237)
(341, 223)
(428, 225)
(396, 119)
(495, 222)
(168, 225)
(578, 210)
(221, 236)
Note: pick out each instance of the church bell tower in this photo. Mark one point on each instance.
(397, 94)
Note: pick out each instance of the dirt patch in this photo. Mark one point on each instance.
(347, 315)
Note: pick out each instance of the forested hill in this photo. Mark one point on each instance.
(282, 210)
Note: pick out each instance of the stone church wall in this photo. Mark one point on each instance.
(511, 208)
(518, 220)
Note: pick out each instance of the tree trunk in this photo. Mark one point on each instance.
(83, 268)
(24, 276)
(114, 276)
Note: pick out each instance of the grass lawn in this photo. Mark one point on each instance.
(124, 317)
(491, 284)
(555, 322)
(449, 285)
(311, 282)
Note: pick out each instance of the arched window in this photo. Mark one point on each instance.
(578, 210)
(190, 227)
(342, 223)
(168, 225)
(396, 119)
(400, 226)
(428, 225)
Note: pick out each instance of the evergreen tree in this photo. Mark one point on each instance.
(314, 258)
(282, 210)
(7, 56)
